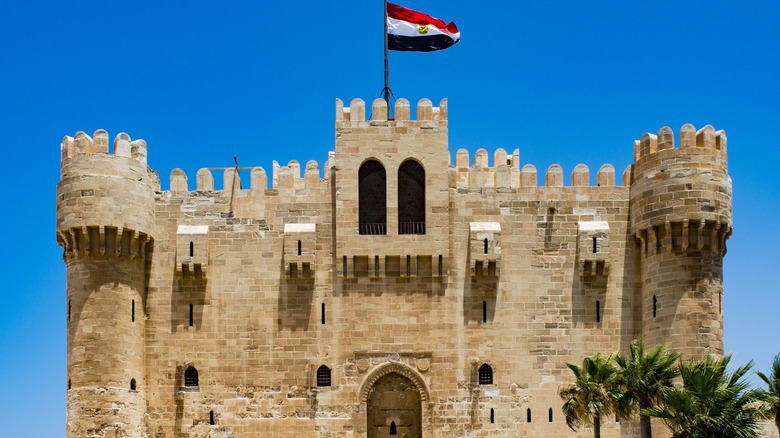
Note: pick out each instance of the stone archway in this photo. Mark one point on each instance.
(394, 408)
(403, 397)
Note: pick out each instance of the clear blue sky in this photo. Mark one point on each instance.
(565, 82)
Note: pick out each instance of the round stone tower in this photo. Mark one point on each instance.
(681, 214)
(105, 218)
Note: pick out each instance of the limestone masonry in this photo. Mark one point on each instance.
(389, 292)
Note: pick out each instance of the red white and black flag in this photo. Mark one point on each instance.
(412, 31)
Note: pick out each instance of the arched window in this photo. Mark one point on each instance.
(211, 418)
(528, 415)
(132, 384)
(485, 375)
(69, 384)
(191, 377)
(598, 311)
(393, 429)
(372, 193)
(550, 414)
(492, 416)
(323, 376)
(411, 198)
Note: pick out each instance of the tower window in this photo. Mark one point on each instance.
(299, 247)
(393, 429)
(211, 418)
(528, 415)
(598, 311)
(655, 306)
(485, 375)
(132, 310)
(192, 249)
(372, 194)
(486, 246)
(484, 311)
(69, 384)
(595, 246)
(191, 377)
(322, 314)
(323, 376)
(132, 384)
(192, 320)
(68, 310)
(492, 416)
(550, 415)
(411, 198)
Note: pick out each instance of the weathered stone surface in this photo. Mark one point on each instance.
(266, 291)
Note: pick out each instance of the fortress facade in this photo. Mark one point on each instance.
(392, 292)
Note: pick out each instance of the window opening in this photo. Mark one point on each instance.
(68, 310)
(393, 429)
(191, 316)
(594, 245)
(192, 249)
(323, 376)
(132, 384)
(344, 265)
(132, 310)
(411, 198)
(69, 384)
(550, 415)
(408, 266)
(372, 198)
(322, 314)
(191, 377)
(376, 266)
(299, 247)
(486, 246)
(528, 415)
(492, 416)
(211, 418)
(484, 311)
(598, 311)
(485, 375)
(441, 265)
(720, 302)
(655, 306)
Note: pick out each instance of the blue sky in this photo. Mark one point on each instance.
(565, 82)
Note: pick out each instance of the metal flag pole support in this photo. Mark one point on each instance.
(386, 91)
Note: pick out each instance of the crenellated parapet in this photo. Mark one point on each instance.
(506, 173)
(681, 196)
(283, 179)
(105, 201)
(354, 115)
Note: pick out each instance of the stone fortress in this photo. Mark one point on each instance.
(392, 292)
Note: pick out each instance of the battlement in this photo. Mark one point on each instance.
(83, 144)
(704, 141)
(506, 172)
(283, 178)
(355, 113)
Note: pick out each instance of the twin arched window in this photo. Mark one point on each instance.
(372, 194)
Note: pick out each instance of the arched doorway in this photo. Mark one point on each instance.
(394, 408)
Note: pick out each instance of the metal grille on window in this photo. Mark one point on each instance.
(323, 376)
(191, 377)
(485, 375)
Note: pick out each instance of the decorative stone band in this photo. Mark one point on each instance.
(685, 235)
(398, 368)
(103, 241)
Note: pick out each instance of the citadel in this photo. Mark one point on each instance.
(389, 292)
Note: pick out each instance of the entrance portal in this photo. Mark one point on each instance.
(394, 408)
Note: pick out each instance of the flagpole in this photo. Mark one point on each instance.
(387, 76)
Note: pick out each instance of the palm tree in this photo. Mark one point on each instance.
(641, 377)
(711, 402)
(593, 394)
(772, 395)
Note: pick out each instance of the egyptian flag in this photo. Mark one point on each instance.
(412, 31)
